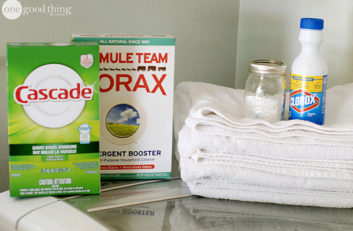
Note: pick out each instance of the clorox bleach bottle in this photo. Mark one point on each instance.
(309, 75)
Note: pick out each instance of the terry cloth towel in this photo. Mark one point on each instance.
(223, 154)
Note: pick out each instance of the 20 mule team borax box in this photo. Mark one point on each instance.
(136, 105)
(53, 119)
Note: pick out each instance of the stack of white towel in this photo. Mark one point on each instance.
(223, 154)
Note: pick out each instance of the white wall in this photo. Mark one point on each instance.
(205, 32)
(269, 29)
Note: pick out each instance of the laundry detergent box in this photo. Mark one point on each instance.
(136, 105)
(53, 118)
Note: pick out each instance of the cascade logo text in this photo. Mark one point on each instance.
(24, 94)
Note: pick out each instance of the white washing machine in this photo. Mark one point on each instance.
(91, 212)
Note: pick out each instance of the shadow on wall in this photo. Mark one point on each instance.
(260, 37)
(4, 148)
(347, 49)
(270, 29)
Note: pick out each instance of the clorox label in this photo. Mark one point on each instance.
(303, 101)
(307, 98)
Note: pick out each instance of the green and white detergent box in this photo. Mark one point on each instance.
(136, 105)
(53, 118)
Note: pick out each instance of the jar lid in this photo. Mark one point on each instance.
(266, 66)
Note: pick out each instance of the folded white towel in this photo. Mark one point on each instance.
(190, 142)
(233, 191)
(225, 155)
(250, 178)
(224, 106)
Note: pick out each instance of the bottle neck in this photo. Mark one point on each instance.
(310, 40)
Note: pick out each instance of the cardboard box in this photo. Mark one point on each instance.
(53, 119)
(136, 87)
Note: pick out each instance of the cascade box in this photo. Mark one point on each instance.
(136, 105)
(53, 118)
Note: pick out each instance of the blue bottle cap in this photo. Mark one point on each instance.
(312, 23)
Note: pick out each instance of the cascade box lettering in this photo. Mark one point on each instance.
(136, 105)
(53, 118)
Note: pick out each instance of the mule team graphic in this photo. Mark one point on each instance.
(139, 68)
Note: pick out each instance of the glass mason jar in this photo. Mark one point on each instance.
(265, 90)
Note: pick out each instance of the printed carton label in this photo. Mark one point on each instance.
(136, 87)
(53, 120)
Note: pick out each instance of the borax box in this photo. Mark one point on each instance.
(53, 119)
(136, 105)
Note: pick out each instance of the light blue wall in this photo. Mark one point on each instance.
(269, 29)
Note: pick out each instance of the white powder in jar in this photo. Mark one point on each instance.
(264, 107)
